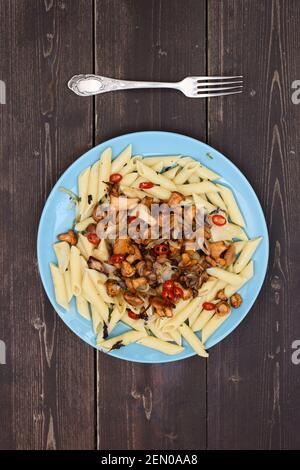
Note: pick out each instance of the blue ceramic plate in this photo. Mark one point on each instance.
(57, 217)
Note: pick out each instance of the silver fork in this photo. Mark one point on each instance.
(193, 87)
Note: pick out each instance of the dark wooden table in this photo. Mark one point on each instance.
(56, 391)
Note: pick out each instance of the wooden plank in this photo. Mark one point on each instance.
(48, 396)
(252, 383)
(157, 406)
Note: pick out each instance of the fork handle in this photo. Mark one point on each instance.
(89, 85)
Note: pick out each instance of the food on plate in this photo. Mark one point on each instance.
(163, 280)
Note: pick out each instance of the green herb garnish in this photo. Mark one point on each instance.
(73, 197)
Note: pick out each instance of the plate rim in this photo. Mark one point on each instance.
(108, 142)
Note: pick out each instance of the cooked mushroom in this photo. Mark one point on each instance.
(127, 270)
(140, 283)
(121, 246)
(175, 198)
(222, 308)
(229, 255)
(96, 264)
(69, 237)
(187, 293)
(236, 300)
(216, 249)
(98, 213)
(211, 261)
(133, 299)
(185, 260)
(221, 295)
(135, 254)
(161, 308)
(113, 288)
(147, 201)
(144, 268)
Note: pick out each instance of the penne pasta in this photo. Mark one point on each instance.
(67, 278)
(193, 340)
(157, 191)
(92, 191)
(101, 252)
(231, 204)
(91, 294)
(122, 340)
(184, 174)
(176, 336)
(83, 307)
(247, 273)
(130, 166)
(159, 333)
(172, 172)
(83, 182)
(239, 246)
(227, 232)
(83, 224)
(153, 177)
(204, 317)
(104, 172)
(190, 188)
(128, 179)
(138, 325)
(133, 192)
(216, 199)
(201, 202)
(202, 171)
(86, 248)
(183, 315)
(158, 166)
(121, 160)
(159, 345)
(223, 275)
(97, 279)
(76, 273)
(213, 325)
(246, 254)
(116, 315)
(59, 286)
(97, 321)
(169, 160)
(194, 178)
(62, 251)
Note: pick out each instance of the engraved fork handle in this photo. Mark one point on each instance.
(89, 85)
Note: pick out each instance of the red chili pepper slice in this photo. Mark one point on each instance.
(161, 249)
(178, 292)
(132, 315)
(131, 218)
(146, 185)
(115, 178)
(92, 238)
(208, 306)
(168, 289)
(218, 220)
(116, 259)
(91, 228)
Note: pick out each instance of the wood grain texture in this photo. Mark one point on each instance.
(142, 406)
(49, 378)
(252, 382)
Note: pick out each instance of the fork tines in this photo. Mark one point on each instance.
(218, 86)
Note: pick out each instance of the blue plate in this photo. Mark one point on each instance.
(58, 216)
